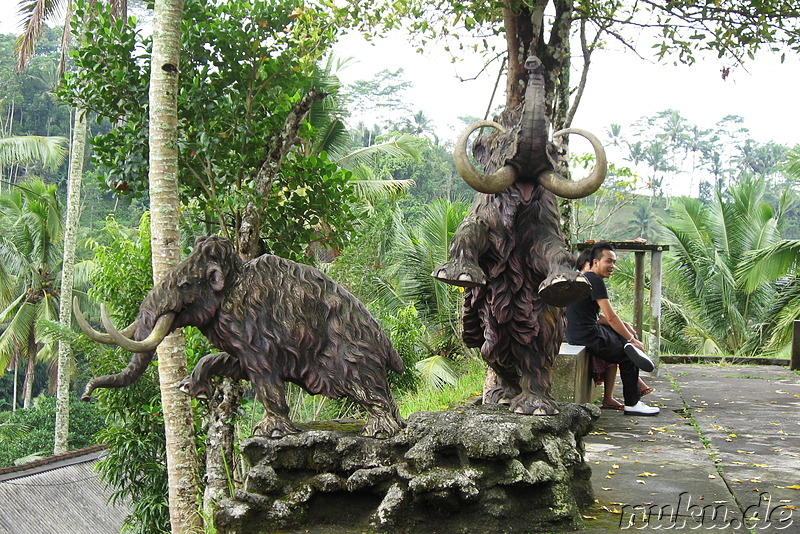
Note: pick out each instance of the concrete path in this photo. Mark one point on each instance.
(723, 455)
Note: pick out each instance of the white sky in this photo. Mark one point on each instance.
(621, 89)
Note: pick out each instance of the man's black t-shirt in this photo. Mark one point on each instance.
(582, 316)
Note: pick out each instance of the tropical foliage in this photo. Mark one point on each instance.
(709, 308)
(48, 151)
(30, 260)
(135, 466)
(28, 434)
(235, 99)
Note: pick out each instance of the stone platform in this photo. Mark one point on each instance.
(571, 375)
(470, 469)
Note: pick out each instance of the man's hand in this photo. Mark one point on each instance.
(638, 344)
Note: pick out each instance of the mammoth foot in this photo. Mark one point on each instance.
(500, 395)
(193, 389)
(531, 404)
(460, 273)
(564, 288)
(275, 426)
(383, 427)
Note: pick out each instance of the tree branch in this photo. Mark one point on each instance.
(280, 145)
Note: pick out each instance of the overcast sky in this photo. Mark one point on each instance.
(621, 89)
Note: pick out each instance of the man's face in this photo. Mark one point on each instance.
(605, 265)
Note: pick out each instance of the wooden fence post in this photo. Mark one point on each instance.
(794, 363)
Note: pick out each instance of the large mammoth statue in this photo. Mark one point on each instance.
(277, 321)
(510, 254)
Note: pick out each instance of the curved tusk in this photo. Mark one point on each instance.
(94, 334)
(485, 183)
(159, 332)
(583, 188)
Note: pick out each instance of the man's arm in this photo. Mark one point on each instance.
(610, 318)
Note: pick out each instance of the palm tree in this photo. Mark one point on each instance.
(164, 203)
(709, 245)
(30, 259)
(37, 13)
(418, 250)
(696, 141)
(642, 223)
(655, 155)
(614, 133)
(778, 265)
(331, 136)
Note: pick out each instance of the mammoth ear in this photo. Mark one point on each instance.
(215, 277)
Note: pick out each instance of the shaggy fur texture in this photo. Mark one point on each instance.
(517, 332)
(277, 321)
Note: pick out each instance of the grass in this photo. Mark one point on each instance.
(470, 383)
(305, 408)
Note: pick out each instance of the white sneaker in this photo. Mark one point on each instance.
(641, 408)
(639, 358)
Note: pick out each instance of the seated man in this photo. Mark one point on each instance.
(605, 373)
(606, 336)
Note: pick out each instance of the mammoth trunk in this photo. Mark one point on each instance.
(135, 368)
(126, 377)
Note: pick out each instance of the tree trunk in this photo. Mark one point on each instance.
(76, 160)
(30, 370)
(220, 438)
(249, 231)
(15, 359)
(182, 469)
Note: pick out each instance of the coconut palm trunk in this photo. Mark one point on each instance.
(30, 369)
(75, 178)
(182, 468)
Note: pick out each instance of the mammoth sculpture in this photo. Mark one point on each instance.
(509, 252)
(277, 321)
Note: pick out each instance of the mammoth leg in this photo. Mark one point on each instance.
(562, 285)
(535, 398)
(271, 393)
(469, 242)
(198, 384)
(535, 360)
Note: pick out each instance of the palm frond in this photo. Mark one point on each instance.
(49, 151)
(373, 190)
(16, 333)
(791, 165)
(34, 14)
(437, 372)
(332, 137)
(402, 145)
(770, 263)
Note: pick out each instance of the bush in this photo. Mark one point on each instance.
(405, 331)
(30, 432)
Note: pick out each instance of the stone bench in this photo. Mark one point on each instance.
(572, 375)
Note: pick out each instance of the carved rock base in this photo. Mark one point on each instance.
(470, 469)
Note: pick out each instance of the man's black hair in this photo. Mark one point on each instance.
(598, 248)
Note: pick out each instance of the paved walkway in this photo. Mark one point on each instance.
(723, 455)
